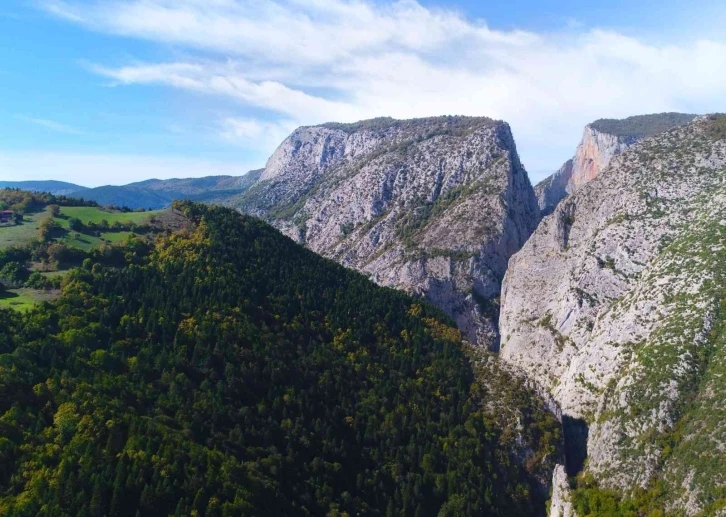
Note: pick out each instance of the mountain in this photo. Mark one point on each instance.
(222, 369)
(601, 142)
(58, 188)
(154, 193)
(434, 206)
(615, 309)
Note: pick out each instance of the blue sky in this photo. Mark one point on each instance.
(114, 91)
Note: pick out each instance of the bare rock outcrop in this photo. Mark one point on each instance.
(601, 142)
(615, 308)
(561, 503)
(434, 207)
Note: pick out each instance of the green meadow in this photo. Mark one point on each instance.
(24, 233)
(24, 298)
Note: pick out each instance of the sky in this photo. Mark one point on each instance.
(114, 91)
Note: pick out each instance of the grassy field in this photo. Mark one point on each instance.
(23, 234)
(87, 242)
(55, 274)
(89, 214)
(24, 299)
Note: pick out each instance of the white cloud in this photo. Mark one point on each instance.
(92, 170)
(224, 79)
(255, 134)
(50, 124)
(308, 61)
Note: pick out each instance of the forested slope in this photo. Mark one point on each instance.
(226, 370)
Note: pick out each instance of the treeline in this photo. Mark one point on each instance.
(24, 202)
(227, 371)
(103, 225)
(15, 270)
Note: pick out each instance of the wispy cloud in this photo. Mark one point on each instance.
(225, 79)
(51, 124)
(305, 62)
(254, 134)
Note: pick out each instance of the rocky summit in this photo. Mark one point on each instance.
(432, 206)
(601, 141)
(616, 310)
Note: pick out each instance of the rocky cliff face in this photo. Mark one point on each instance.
(601, 142)
(560, 503)
(594, 153)
(434, 206)
(616, 308)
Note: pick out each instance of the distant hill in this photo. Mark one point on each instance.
(58, 188)
(149, 194)
(641, 126)
(154, 193)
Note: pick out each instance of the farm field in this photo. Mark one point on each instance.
(22, 234)
(25, 233)
(90, 214)
(44, 245)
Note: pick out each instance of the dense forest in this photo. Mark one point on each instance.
(642, 126)
(224, 370)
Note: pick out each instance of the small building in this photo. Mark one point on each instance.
(6, 216)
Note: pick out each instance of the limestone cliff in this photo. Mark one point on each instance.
(601, 142)
(560, 503)
(432, 206)
(615, 308)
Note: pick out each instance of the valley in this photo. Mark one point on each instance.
(561, 342)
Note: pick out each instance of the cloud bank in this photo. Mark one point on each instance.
(300, 62)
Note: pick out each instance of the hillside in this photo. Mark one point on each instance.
(58, 188)
(434, 207)
(226, 370)
(50, 234)
(72, 222)
(615, 309)
(150, 194)
(639, 127)
(602, 140)
(154, 194)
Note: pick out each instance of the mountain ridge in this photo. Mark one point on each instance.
(148, 194)
(58, 188)
(432, 206)
(601, 141)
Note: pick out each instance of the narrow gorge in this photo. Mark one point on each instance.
(609, 306)
(602, 140)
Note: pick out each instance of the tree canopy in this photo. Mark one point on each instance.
(225, 371)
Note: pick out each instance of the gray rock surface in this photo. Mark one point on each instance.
(614, 307)
(433, 206)
(561, 503)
